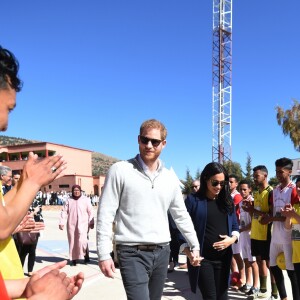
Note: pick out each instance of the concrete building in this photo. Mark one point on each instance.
(296, 167)
(79, 167)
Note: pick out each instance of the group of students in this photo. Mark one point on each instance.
(269, 230)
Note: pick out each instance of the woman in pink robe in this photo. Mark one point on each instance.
(78, 212)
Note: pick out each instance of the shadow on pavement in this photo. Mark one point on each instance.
(52, 259)
(177, 285)
(55, 259)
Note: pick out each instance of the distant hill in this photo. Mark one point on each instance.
(9, 141)
(100, 162)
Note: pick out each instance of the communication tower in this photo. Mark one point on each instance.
(222, 85)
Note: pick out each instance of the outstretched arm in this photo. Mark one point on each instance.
(36, 173)
(47, 283)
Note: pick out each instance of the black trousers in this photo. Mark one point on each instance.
(143, 272)
(174, 246)
(279, 279)
(214, 278)
(297, 271)
(31, 251)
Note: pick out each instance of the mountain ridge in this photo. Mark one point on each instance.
(100, 162)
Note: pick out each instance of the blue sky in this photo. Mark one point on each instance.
(93, 71)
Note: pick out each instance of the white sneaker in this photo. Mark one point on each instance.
(263, 295)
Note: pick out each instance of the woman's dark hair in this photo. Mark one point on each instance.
(224, 200)
(9, 68)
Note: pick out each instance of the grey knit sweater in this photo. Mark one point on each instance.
(139, 206)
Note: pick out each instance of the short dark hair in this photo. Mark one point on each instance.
(245, 181)
(260, 168)
(9, 68)
(234, 176)
(298, 179)
(285, 163)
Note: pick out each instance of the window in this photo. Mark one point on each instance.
(64, 186)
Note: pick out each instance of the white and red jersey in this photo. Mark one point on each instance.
(237, 199)
(245, 217)
(282, 197)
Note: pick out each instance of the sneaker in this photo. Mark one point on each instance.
(182, 266)
(253, 293)
(245, 288)
(262, 295)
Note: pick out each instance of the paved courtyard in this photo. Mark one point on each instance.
(53, 247)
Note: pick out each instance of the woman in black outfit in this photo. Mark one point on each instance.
(36, 210)
(213, 214)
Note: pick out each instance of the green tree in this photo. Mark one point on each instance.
(248, 174)
(273, 181)
(289, 120)
(198, 174)
(188, 183)
(233, 168)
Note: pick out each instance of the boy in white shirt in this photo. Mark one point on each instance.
(251, 267)
(285, 193)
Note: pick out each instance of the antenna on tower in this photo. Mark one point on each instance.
(221, 91)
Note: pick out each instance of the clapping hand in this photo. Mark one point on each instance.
(50, 283)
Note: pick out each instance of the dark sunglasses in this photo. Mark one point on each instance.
(215, 183)
(154, 142)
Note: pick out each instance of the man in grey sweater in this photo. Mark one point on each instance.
(136, 197)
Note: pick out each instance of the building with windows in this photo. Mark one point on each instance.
(79, 165)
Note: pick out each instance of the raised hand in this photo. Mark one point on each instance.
(27, 224)
(43, 171)
(53, 285)
(64, 287)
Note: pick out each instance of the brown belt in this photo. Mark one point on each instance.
(142, 247)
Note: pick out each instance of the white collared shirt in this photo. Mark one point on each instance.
(151, 175)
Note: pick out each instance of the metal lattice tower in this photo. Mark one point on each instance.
(222, 62)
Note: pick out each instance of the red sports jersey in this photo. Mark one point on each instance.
(3, 292)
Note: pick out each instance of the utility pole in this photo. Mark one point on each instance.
(222, 85)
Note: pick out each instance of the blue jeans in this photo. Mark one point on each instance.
(143, 272)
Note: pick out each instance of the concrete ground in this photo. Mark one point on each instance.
(53, 247)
